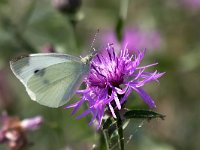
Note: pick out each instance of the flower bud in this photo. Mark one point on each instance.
(48, 48)
(32, 123)
(13, 131)
(67, 6)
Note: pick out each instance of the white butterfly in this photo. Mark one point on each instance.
(51, 79)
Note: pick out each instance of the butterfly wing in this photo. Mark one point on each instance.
(50, 79)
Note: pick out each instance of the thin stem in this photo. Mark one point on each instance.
(73, 31)
(106, 139)
(121, 18)
(120, 131)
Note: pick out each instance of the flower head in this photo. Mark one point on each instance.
(111, 79)
(68, 6)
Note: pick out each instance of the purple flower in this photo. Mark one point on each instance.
(111, 79)
(13, 131)
(136, 39)
(31, 123)
(192, 4)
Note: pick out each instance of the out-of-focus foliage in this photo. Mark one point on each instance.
(27, 26)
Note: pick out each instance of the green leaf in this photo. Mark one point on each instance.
(146, 114)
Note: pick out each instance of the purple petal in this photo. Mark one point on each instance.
(100, 116)
(83, 114)
(77, 106)
(147, 66)
(112, 110)
(147, 99)
(117, 100)
(72, 105)
(128, 92)
(138, 58)
(82, 91)
(93, 118)
(148, 77)
(121, 91)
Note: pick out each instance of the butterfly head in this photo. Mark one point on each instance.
(88, 58)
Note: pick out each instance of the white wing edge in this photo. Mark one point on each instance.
(30, 93)
(57, 54)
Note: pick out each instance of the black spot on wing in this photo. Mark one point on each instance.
(39, 72)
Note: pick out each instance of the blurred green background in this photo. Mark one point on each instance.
(37, 25)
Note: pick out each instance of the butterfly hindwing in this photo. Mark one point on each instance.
(55, 85)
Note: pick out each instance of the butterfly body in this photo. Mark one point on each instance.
(51, 79)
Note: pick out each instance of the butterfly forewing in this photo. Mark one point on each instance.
(24, 67)
(50, 79)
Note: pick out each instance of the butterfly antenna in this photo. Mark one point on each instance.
(92, 44)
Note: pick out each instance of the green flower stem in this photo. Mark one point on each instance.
(73, 31)
(106, 139)
(120, 131)
(121, 18)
